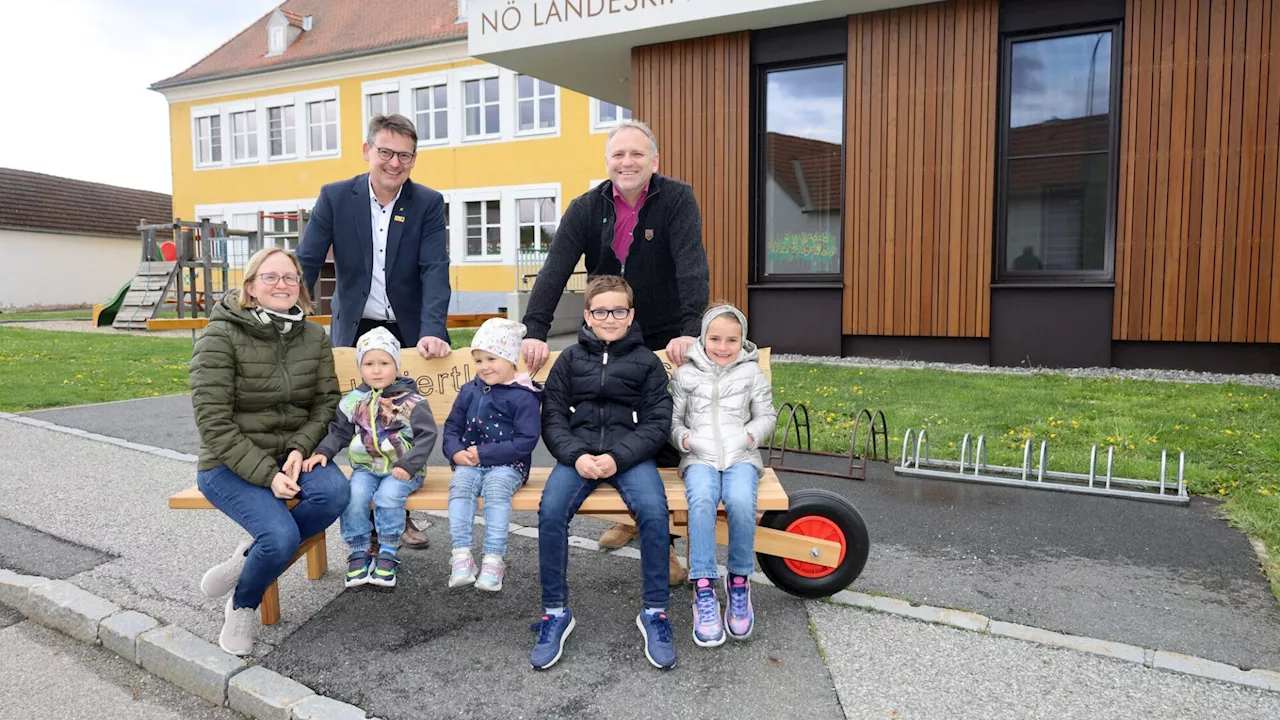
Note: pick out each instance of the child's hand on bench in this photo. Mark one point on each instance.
(469, 457)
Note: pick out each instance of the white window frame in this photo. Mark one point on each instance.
(484, 258)
(260, 106)
(597, 124)
(210, 114)
(285, 130)
(504, 109)
(431, 82)
(537, 105)
(337, 121)
(252, 136)
(549, 192)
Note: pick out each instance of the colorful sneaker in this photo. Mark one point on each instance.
(739, 617)
(491, 572)
(222, 578)
(462, 568)
(707, 630)
(552, 631)
(237, 629)
(383, 573)
(658, 643)
(359, 564)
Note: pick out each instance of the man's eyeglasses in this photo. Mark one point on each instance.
(617, 313)
(274, 278)
(386, 154)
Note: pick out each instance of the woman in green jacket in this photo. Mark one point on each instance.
(264, 392)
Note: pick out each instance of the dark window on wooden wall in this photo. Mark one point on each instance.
(798, 100)
(1057, 163)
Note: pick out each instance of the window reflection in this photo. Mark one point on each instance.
(803, 163)
(1057, 171)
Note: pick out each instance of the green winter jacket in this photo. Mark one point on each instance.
(259, 393)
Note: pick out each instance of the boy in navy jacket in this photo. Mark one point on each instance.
(606, 413)
(489, 439)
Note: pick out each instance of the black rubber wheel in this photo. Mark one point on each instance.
(824, 514)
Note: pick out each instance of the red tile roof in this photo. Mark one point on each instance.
(819, 163)
(47, 203)
(339, 28)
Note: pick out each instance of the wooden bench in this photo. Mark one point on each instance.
(811, 556)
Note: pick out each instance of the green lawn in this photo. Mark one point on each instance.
(1231, 433)
(44, 369)
(51, 315)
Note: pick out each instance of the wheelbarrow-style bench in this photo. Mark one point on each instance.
(812, 543)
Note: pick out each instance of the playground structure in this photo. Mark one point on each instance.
(190, 272)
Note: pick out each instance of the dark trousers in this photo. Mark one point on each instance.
(366, 325)
(641, 489)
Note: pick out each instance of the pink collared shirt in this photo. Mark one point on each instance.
(626, 222)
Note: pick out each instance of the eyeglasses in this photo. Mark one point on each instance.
(387, 154)
(617, 313)
(274, 278)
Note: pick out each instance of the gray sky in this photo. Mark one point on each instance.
(94, 59)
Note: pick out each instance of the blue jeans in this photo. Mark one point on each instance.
(706, 488)
(642, 491)
(496, 485)
(277, 531)
(388, 495)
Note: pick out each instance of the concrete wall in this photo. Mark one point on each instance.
(48, 269)
(568, 317)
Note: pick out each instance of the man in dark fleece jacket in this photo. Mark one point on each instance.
(646, 228)
(638, 224)
(605, 413)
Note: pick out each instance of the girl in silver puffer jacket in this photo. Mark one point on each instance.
(722, 412)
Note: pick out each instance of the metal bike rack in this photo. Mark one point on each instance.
(974, 468)
(875, 443)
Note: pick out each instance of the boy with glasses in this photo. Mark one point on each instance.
(606, 412)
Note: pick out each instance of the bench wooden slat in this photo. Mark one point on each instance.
(434, 494)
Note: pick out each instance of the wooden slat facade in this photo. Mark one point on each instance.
(920, 178)
(1197, 217)
(695, 95)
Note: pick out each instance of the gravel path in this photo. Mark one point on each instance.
(1180, 376)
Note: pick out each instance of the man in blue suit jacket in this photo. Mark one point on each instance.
(389, 246)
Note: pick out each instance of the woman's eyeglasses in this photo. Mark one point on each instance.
(275, 278)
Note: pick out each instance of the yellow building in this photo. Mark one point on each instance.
(261, 123)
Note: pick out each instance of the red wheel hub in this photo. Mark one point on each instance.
(815, 526)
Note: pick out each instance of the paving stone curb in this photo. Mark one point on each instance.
(1261, 678)
(168, 652)
(265, 694)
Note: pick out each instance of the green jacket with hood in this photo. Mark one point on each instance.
(260, 391)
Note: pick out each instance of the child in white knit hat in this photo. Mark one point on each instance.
(389, 431)
(489, 439)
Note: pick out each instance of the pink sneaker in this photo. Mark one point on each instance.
(739, 617)
(707, 630)
(491, 572)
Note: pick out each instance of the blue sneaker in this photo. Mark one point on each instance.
(658, 645)
(552, 631)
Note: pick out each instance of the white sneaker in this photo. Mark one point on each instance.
(222, 578)
(462, 568)
(237, 631)
(491, 572)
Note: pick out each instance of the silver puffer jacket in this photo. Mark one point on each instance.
(716, 408)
